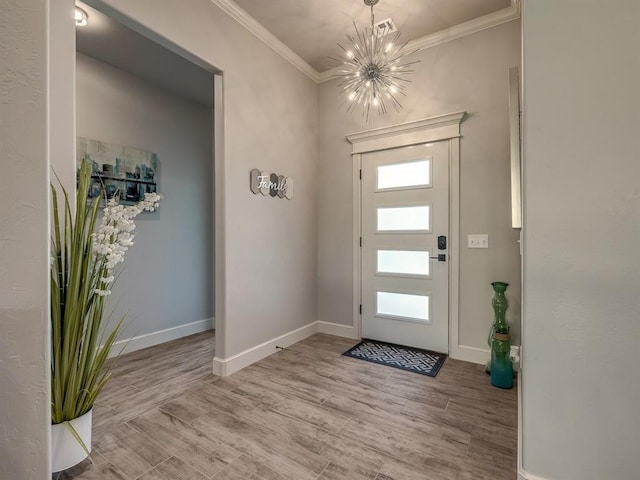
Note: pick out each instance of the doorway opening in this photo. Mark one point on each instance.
(132, 90)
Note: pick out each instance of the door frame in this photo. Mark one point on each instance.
(434, 129)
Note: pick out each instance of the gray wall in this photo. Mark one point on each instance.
(167, 278)
(580, 381)
(24, 250)
(271, 123)
(466, 74)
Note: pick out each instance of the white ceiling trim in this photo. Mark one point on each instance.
(252, 25)
(467, 28)
(453, 33)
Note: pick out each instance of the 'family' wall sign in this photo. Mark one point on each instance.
(271, 184)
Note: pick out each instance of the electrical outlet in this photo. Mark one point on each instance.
(478, 241)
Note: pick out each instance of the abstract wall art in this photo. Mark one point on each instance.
(121, 171)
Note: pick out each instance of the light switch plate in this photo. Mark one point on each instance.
(478, 241)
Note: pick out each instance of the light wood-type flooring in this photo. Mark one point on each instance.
(304, 413)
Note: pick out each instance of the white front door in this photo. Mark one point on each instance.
(405, 208)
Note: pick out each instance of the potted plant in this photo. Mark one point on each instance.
(82, 266)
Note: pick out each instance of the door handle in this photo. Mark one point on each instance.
(441, 257)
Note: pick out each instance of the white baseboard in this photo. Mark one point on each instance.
(230, 365)
(139, 342)
(234, 363)
(471, 354)
(524, 475)
(346, 331)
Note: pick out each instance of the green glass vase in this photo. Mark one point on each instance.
(501, 366)
(499, 304)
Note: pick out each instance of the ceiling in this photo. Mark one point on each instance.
(111, 42)
(312, 28)
(309, 28)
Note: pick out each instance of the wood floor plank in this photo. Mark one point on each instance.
(291, 385)
(352, 472)
(105, 472)
(488, 411)
(246, 468)
(130, 451)
(92, 467)
(157, 394)
(344, 385)
(396, 470)
(304, 413)
(349, 461)
(173, 469)
(403, 424)
(328, 343)
(293, 407)
(204, 396)
(118, 392)
(294, 434)
(438, 416)
(402, 445)
(208, 455)
(261, 444)
(423, 390)
(357, 383)
(501, 436)
(187, 407)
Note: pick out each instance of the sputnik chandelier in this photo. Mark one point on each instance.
(371, 69)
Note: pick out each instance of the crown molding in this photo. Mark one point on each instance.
(252, 25)
(467, 28)
(457, 31)
(453, 33)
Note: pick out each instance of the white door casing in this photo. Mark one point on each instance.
(405, 207)
(443, 128)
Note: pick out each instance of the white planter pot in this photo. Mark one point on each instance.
(66, 451)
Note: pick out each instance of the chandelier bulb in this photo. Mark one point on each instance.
(81, 17)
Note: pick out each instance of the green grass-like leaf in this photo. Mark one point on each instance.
(79, 367)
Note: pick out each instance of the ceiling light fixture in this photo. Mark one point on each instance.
(82, 17)
(371, 69)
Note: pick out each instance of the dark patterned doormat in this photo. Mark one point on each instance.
(410, 359)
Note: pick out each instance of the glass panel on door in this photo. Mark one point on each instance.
(402, 305)
(403, 262)
(404, 219)
(402, 175)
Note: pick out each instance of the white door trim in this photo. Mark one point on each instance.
(433, 129)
